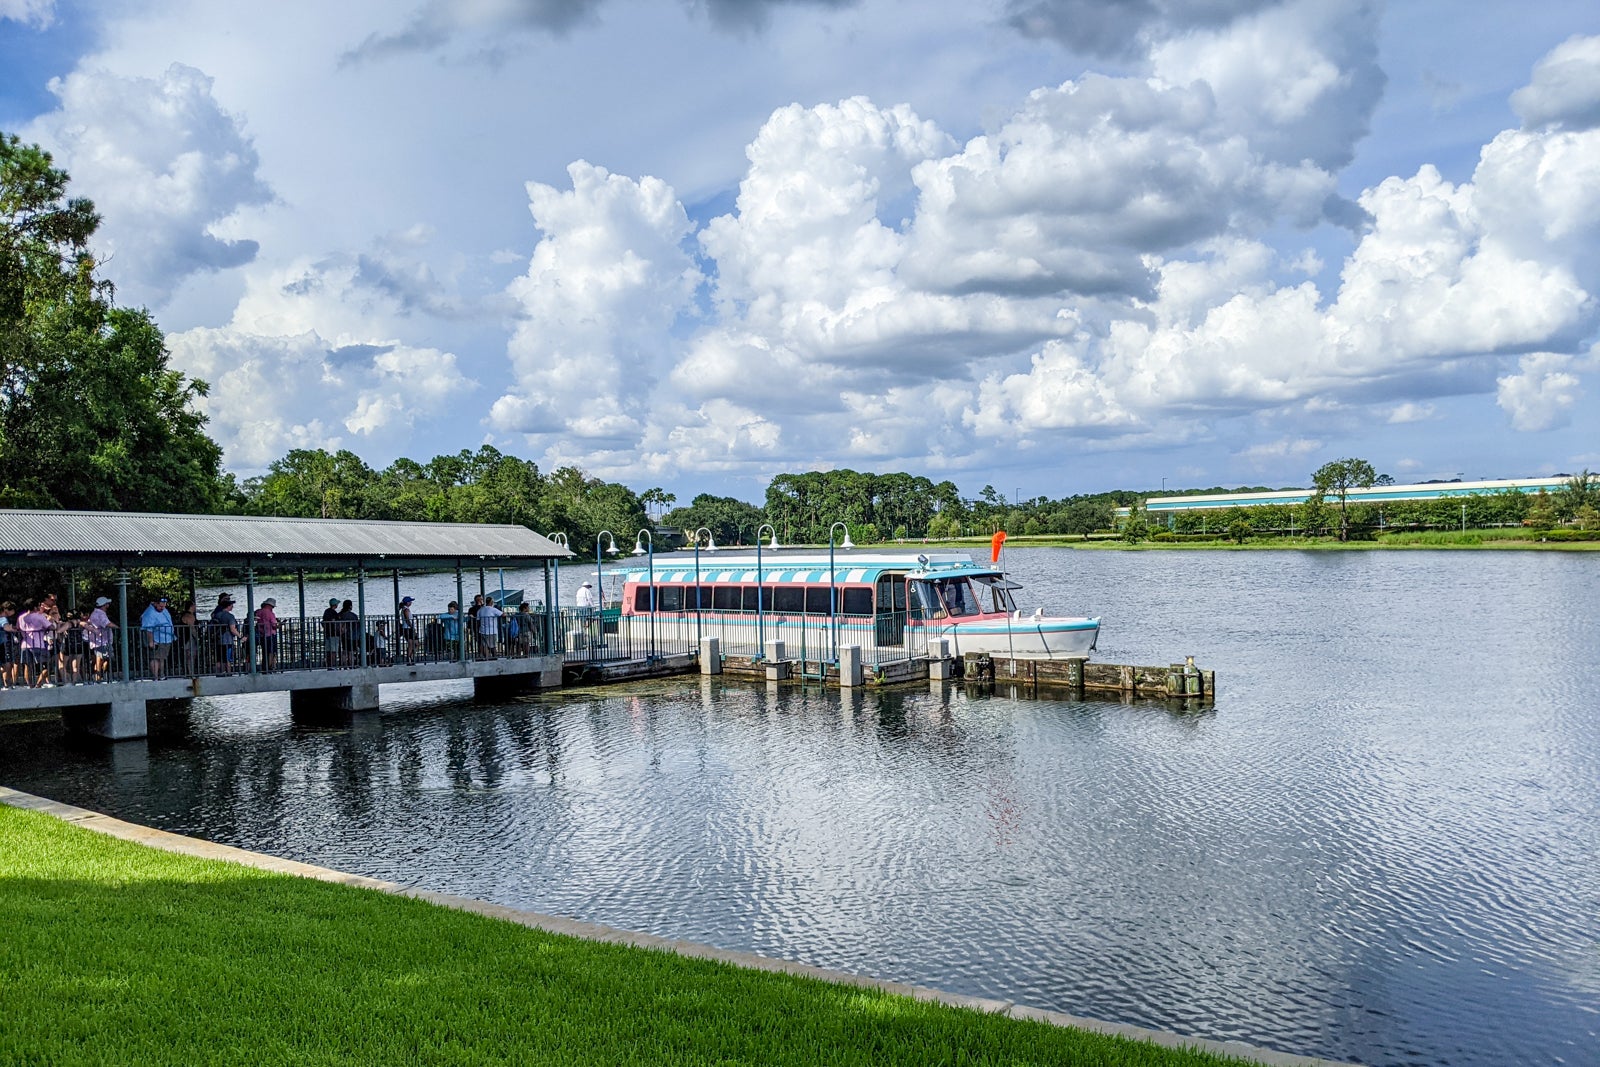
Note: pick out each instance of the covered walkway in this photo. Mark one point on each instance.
(102, 677)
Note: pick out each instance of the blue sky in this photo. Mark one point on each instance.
(1056, 245)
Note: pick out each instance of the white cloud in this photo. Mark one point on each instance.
(1542, 394)
(28, 12)
(306, 363)
(167, 167)
(1411, 411)
(1565, 88)
(1276, 453)
(598, 303)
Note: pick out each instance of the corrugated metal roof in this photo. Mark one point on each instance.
(34, 536)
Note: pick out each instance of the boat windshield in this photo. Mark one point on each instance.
(944, 598)
(999, 592)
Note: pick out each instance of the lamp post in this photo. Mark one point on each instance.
(761, 592)
(833, 590)
(711, 546)
(600, 579)
(643, 544)
(552, 597)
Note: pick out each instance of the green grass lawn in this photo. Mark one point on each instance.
(112, 952)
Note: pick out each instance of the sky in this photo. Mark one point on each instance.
(1053, 246)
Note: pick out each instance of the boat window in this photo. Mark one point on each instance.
(725, 598)
(750, 597)
(923, 601)
(958, 597)
(999, 591)
(641, 598)
(790, 599)
(669, 598)
(856, 601)
(817, 599)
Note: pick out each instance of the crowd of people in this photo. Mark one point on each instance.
(42, 644)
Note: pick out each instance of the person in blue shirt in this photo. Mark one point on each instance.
(155, 627)
(450, 621)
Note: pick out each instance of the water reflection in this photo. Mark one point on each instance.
(1379, 845)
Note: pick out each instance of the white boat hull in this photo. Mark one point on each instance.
(1025, 637)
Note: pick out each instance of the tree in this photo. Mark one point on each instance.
(730, 520)
(1338, 478)
(1580, 490)
(91, 415)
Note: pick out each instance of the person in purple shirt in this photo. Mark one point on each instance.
(267, 631)
(36, 627)
(98, 631)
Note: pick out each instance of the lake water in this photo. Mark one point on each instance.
(1382, 844)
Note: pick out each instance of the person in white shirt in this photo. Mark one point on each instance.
(98, 632)
(586, 597)
(489, 630)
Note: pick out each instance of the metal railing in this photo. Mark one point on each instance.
(65, 656)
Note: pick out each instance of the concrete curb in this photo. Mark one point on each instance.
(190, 846)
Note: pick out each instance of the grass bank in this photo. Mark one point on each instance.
(1495, 540)
(118, 953)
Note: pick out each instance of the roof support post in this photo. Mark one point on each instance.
(361, 610)
(461, 618)
(397, 602)
(122, 621)
(250, 611)
(302, 657)
(72, 589)
(550, 608)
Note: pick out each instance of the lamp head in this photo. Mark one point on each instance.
(846, 542)
(638, 546)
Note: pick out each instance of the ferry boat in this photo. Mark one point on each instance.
(884, 599)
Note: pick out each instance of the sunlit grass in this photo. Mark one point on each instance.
(117, 953)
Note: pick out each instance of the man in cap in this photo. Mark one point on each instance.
(98, 630)
(586, 597)
(330, 632)
(267, 632)
(156, 627)
(226, 628)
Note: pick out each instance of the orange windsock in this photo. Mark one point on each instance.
(995, 545)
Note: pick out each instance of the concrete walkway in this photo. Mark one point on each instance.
(190, 846)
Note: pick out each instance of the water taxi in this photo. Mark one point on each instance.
(871, 599)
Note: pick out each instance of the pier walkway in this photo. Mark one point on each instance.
(101, 681)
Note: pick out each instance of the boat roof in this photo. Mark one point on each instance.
(801, 566)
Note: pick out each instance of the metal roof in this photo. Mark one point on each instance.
(56, 538)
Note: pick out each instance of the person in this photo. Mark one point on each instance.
(450, 626)
(408, 630)
(488, 618)
(36, 628)
(524, 622)
(8, 653)
(187, 635)
(99, 633)
(330, 632)
(349, 633)
(156, 627)
(226, 628)
(378, 645)
(586, 600)
(267, 631)
(73, 649)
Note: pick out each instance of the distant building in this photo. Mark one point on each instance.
(1378, 494)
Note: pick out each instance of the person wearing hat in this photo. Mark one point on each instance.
(407, 630)
(267, 632)
(586, 597)
(99, 630)
(226, 628)
(331, 645)
(156, 627)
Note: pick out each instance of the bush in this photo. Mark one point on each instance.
(1570, 535)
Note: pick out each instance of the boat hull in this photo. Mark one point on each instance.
(1027, 637)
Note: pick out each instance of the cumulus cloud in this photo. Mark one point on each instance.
(1274, 454)
(306, 362)
(167, 168)
(1565, 88)
(598, 304)
(1541, 394)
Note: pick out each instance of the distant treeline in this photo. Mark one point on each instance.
(482, 486)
